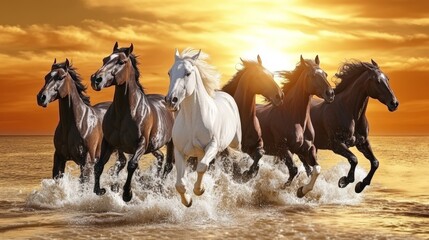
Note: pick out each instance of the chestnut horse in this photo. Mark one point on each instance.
(343, 124)
(78, 135)
(252, 79)
(287, 129)
(135, 123)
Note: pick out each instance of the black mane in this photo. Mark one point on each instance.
(231, 86)
(349, 72)
(291, 77)
(134, 62)
(81, 89)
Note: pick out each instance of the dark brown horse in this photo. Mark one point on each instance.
(78, 135)
(135, 123)
(343, 124)
(252, 79)
(287, 129)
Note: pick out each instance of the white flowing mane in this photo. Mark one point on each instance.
(209, 74)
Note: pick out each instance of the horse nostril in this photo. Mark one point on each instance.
(43, 97)
(174, 100)
(394, 103)
(98, 80)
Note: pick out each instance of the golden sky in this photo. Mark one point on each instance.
(33, 33)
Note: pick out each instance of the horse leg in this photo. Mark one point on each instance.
(106, 151)
(159, 160)
(341, 149)
(312, 161)
(119, 165)
(305, 164)
(293, 170)
(132, 166)
(254, 169)
(59, 166)
(170, 159)
(85, 170)
(180, 185)
(366, 149)
(210, 153)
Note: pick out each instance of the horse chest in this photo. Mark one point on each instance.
(346, 135)
(71, 145)
(190, 141)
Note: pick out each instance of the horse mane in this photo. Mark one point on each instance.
(209, 74)
(290, 78)
(81, 89)
(231, 86)
(134, 62)
(349, 72)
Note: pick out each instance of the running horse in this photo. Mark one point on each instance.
(136, 123)
(78, 135)
(252, 79)
(343, 124)
(208, 121)
(287, 129)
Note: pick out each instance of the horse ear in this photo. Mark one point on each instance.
(130, 50)
(176, 54)
(195, 57)
(303, 61)
(55, 61)
(115, 48)
(259, 60)
(374, 63)
(67, 64)
(316, 60)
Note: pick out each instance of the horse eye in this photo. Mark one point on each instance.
(120, 62)
(188, 74)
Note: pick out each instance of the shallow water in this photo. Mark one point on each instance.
(395, 206)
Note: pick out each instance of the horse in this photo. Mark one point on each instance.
(343, 124)
(207, 122)
(78, 134)
(136, 123)
(252, 79)
(287, 129)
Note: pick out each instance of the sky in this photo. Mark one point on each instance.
(395, 33)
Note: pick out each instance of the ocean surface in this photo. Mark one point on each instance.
(395, 206)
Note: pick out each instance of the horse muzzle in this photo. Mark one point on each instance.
(329, 96)
(393, 105)
(96, 82)
(171, 103)
(41, 100)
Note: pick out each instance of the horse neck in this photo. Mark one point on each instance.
(297, 103)
(245, 100)
(72, 109)
(355, 98)
(198, 103)
(128, 96)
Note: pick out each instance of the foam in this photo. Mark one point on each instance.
(156, 200)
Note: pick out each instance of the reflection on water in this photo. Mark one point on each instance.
(395, 206)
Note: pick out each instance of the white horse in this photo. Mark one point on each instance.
(208, 121)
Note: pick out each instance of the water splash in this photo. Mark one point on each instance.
(156, 200)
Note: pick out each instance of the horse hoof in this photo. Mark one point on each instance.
(300, 193)
(100, 192)
(200, 192)
(115, 188)
(189, 204)
(359, 187)
(246, 176)
(287, 184)
(343, 182)
(127, 197)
